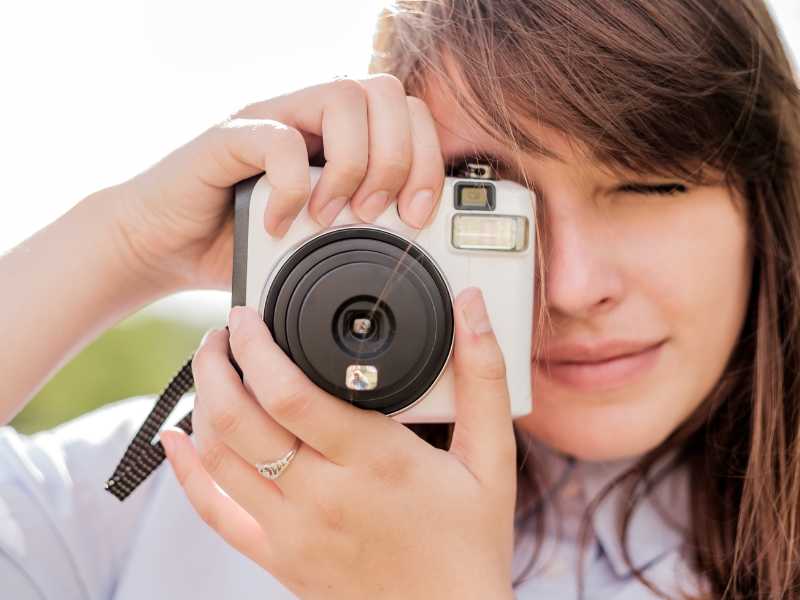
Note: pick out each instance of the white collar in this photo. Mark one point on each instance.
(659, 523)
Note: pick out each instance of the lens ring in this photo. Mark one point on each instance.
(304, 285)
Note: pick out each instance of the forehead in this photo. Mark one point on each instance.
(461, 134)
(458, 132)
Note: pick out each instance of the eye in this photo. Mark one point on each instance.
(658, 189)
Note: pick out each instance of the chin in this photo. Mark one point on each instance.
(589, 428)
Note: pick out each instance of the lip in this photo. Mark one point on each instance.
(599, 367)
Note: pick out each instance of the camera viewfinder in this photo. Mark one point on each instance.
(474, 196)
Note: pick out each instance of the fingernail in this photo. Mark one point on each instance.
(167, 440)
(331, 210)
(419, 209)
(374, 205)
(235, 318)
(474, 311)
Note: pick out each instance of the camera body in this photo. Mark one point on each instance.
(365, 309)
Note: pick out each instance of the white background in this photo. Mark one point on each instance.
(95, 91)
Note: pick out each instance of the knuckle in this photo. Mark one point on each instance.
(212, 457)
(483, 361)
(350, 169)
(291, 403)
(238, 126)
(349, 89)
(391, 469)
(290, 197)
(223, 422)
(293, 199)
(331, 513)
(296, 191)
(386, 83)
(393, 168)
(289, 135)
(295, 196)
(493, 367)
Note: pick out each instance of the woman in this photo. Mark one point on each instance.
(663, 140)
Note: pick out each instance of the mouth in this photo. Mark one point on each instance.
(596, 371)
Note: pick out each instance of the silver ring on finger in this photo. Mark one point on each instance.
(272, 470)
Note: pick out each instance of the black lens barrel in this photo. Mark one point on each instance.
(363, 273)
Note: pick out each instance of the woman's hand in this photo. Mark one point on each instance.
(175, 220)
(366, 509)
(170, 228)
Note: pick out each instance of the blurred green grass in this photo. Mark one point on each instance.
(138, 356)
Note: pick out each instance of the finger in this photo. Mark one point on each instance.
(226, 412)
(345, 138)
(220, 512)
(285, 163)
(336, 429)
(390, 148)
(241, 481)
(483, 437)
(337, 112)
(423, 188)
(240, 148)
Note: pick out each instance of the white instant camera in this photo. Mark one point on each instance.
(366, 309)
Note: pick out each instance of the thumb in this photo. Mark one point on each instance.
(483, 437)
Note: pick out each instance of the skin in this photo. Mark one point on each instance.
(623, 265)
(617, 264)
(169, 228)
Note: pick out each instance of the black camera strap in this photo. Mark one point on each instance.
(143, 456)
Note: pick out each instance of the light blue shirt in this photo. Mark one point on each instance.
(62, 537)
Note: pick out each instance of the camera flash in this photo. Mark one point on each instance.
(505, 233)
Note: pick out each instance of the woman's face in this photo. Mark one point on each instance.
(647, 293)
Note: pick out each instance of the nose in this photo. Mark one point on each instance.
(581, 277)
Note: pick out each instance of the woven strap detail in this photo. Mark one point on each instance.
(142, 456)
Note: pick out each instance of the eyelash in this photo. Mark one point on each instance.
(454, 165)
(661, 189)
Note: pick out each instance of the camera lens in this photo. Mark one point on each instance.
(365, 314)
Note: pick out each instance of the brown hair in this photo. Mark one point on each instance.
(667, 88)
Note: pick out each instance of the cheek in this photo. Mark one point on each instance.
(692, 274)
(687, 276)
